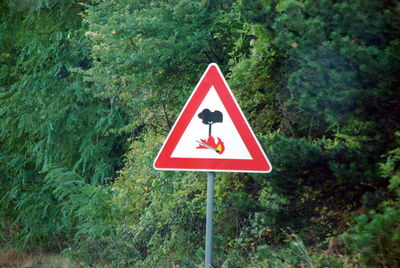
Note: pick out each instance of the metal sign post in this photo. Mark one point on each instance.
(209, 219)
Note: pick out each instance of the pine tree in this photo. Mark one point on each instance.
(48, 118)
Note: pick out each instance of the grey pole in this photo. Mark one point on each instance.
(209, 219)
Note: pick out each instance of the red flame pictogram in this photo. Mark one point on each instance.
(211, 144)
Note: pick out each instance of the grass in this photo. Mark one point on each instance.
(15, 259)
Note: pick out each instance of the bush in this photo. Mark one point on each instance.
(376, 238)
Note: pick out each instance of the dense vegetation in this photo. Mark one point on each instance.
(89, 89)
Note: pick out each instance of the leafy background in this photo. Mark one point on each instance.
(89, 90)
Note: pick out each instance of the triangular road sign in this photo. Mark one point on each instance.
(211, 133)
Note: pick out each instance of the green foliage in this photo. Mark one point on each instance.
(336, 67)
(150, 55)
(153, 217)
(390, 169)
(291, 253)
(49, 120)
(376, 238)
(261, 101)
(89, 90)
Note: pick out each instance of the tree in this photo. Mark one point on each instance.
(49, 120)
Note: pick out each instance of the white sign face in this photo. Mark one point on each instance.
(189, 145)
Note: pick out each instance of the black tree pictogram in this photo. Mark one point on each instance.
(210, 118)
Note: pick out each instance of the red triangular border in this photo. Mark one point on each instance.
(259, 162)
